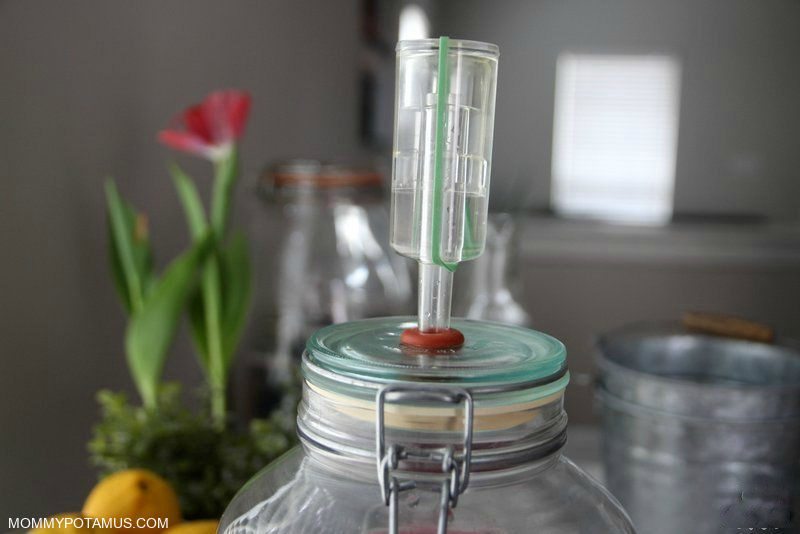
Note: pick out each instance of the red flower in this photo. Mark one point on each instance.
(210, 128)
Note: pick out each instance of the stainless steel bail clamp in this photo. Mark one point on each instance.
(455, 467)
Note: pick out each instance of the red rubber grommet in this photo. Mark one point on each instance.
(443, 339)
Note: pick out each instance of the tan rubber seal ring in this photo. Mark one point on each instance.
(446, 418)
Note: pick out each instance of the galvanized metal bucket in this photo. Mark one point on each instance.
(701, 433)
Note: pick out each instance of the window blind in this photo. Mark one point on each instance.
(615, 136)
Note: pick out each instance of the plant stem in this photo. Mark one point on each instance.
(224, 180)
(212, 301)
(123, 240)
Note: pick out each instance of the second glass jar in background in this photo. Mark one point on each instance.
(333, 263)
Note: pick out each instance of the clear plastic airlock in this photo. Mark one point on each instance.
(444, 121)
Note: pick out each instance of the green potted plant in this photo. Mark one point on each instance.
(201, 452)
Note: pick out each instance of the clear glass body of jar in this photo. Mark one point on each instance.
(311, 494)
(513, 423)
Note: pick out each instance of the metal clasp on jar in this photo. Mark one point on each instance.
(455, 466)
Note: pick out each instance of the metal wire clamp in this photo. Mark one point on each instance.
(455, 466)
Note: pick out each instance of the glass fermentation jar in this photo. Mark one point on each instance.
(402, 440)
(334, 263)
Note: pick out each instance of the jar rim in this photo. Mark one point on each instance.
(313, 174)
(332, 426)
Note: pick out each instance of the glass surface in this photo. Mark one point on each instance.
(493, 299)
(492, 354)
(334, 264)
(302, 494)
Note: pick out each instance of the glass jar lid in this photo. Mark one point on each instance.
(494, 358)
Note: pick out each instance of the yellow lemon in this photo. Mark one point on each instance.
(205, 526)
(70, 523)
(133, 500)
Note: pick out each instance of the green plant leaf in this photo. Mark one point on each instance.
(225, 175)
(190, 199)
(197, 223)
(129, 249)
(152, 328)
(204, 310)
(142, 250)
(118, 273)
(235, 274)
(197, 326)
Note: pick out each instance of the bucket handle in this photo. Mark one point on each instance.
(728, 326)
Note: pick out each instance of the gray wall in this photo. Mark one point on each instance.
(84, 87)
(740, 99)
